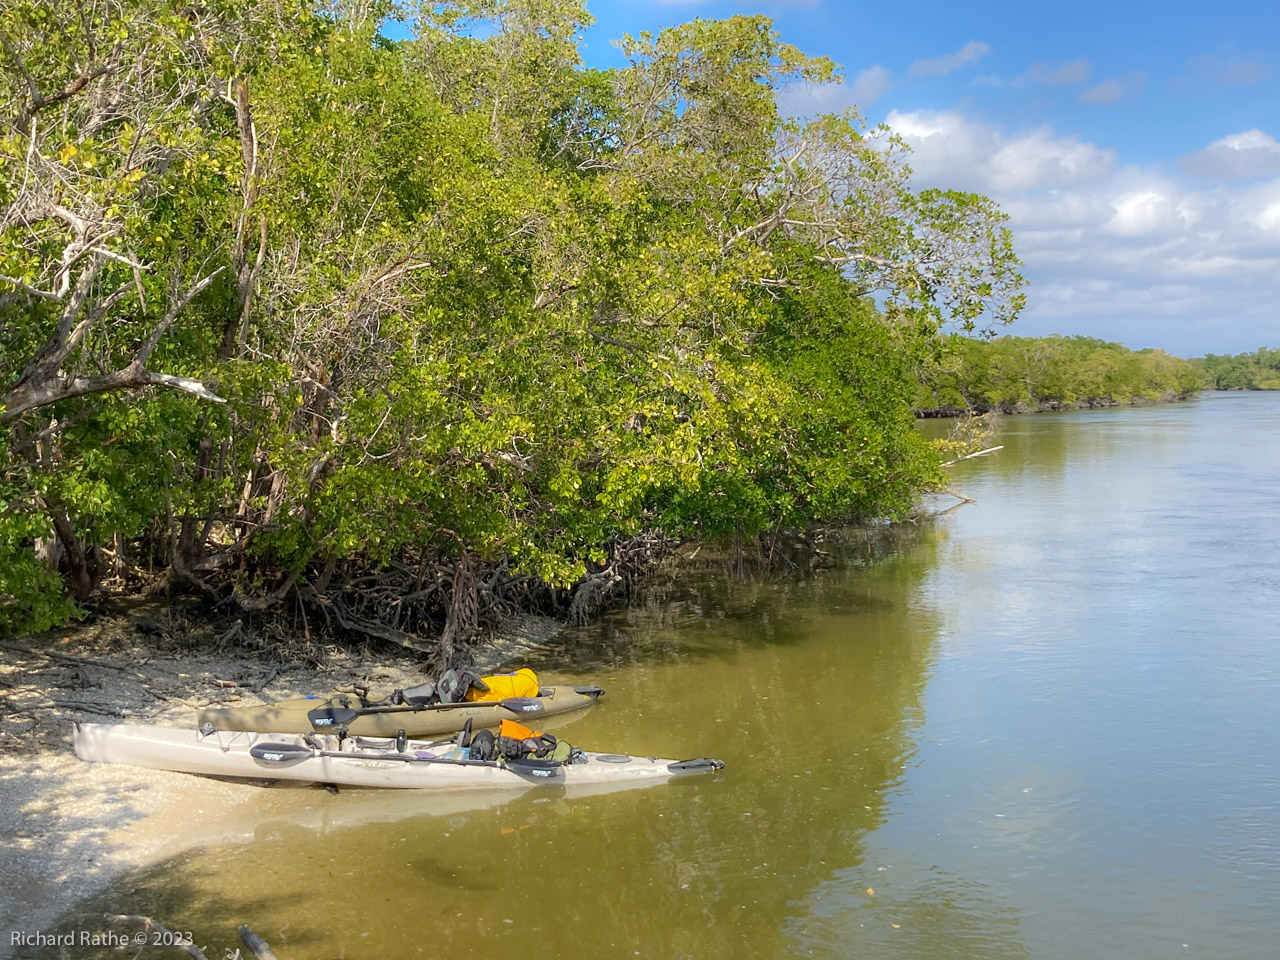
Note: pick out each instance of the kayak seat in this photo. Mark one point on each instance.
(420, 695)
(463, 739)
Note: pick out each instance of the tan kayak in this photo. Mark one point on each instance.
(312, 716)
(356, 761)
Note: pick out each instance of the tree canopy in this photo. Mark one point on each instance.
(283, 302)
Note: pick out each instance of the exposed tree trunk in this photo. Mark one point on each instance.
(43, 383)
(49, 551)
(246, 271)
(74, 558)
(120, 555)
(25, 396)
(463, 610)
(246, 274)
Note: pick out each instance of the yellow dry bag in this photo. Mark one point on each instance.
(522, 683)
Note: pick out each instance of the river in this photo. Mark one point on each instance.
(1043, 725)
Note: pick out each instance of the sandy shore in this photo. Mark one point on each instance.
(67, 828)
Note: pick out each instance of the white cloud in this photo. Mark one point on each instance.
(869, 86)
(1121, 252)
(805, 100)
(987, 80)
(1038, 158)
(938, 66)
(1226, 71)
(1145, 212)
(1268, 219)
(949, 149)
(1109, 91)
(1239, 156)
(1055, 74)
(1242, 73)
(1260, 207)
(1127, 88)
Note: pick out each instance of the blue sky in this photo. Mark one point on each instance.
(1133, 144)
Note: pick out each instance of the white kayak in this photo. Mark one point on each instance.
(355, 761)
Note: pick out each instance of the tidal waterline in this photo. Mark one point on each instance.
(1042, 725)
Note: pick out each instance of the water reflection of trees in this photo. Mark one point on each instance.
(677, 609)
(811, 690)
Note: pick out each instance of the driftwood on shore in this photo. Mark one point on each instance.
(166, 936)
(970, 456)
(255, 944)
(64, 657)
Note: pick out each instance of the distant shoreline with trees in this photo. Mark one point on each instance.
(1044, 374)
(1034, 374)
(1258, 370)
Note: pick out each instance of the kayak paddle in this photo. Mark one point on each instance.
(326, 717)
(283, 753)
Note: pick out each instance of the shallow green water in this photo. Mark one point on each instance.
(1045, 726)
